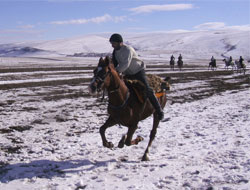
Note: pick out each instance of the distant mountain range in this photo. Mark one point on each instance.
(194, 44)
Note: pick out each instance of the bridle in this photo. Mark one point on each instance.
(99, 79)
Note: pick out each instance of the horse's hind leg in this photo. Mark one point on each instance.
(103, 95)
(127, 139)
(109, 123)
(152, 136)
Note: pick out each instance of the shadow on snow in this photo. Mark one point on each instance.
(47, 169)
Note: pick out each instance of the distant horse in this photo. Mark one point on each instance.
(172, 63)
(212, 65)
(229, 63)
(126, 105)
(240, 67)
(180, 64)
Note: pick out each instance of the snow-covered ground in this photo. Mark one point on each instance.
(49, 135)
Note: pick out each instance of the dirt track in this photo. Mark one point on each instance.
(214, 82)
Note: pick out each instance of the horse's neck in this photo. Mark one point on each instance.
(117, 91)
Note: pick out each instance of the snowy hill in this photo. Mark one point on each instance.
(199, 44)
(195, 44)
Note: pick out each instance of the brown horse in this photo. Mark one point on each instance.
(172, 63)
(124, 107)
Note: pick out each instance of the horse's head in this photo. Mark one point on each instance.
(101, 75)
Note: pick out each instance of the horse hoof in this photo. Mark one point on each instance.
(108, 145)
(122, 141)
(139, 138)
(145, 158)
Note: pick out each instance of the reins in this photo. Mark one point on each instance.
(116, 89)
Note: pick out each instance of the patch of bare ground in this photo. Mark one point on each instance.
(217, 82)
(64, 94)
(18, 128)
(72, 82)
(14, 70)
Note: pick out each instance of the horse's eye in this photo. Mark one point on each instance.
(97, 70)
(102, 73)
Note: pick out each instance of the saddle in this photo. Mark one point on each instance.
(158, 85)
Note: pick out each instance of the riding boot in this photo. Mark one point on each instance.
(155, 103)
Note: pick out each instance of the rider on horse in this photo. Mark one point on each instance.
(230, 59)
(180, 57)
(241, 62)
(172, 58)
(213, 61)
(126, 61)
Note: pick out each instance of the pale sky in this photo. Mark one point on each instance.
(31, 20)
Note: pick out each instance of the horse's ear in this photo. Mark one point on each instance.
(101, 62)
(107, 60)
(101, 59)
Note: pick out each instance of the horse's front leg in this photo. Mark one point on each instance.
(109, 123)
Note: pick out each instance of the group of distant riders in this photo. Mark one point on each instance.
(238, 64)
(179, 62)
